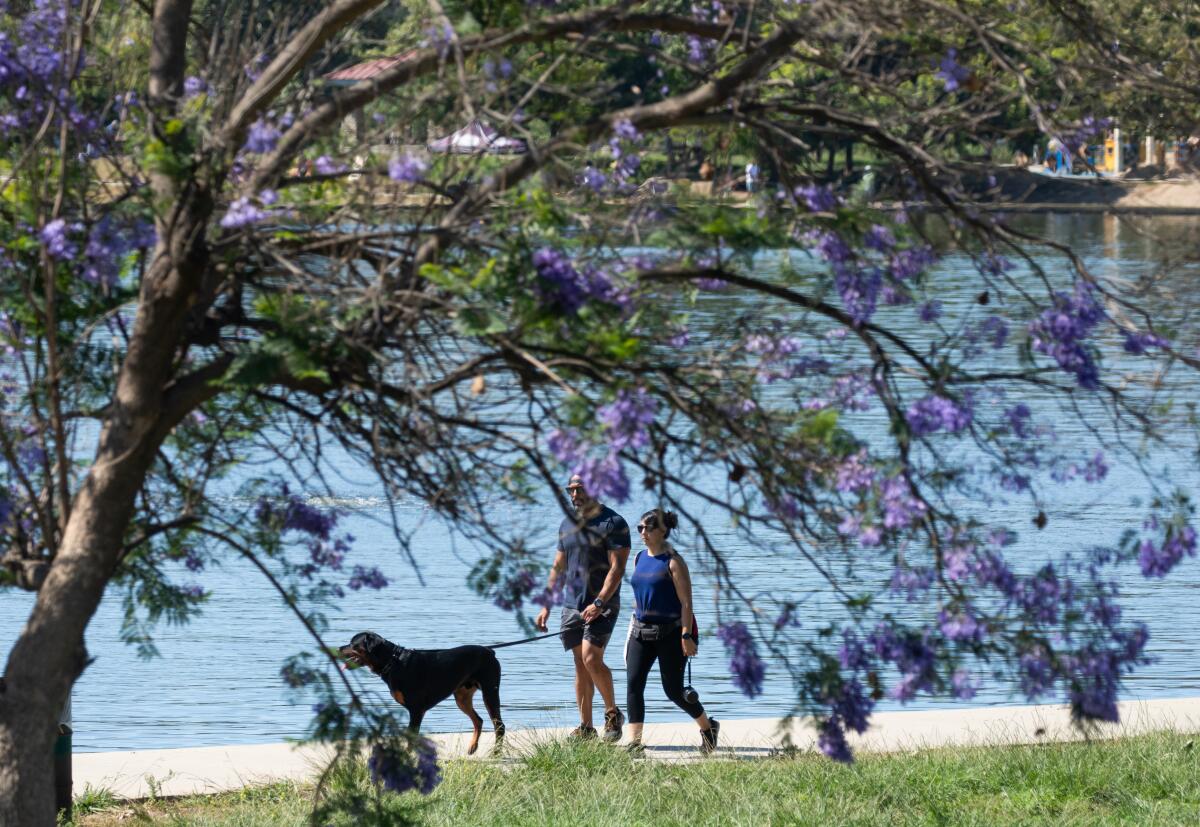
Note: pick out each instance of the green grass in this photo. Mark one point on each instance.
(1149, 780)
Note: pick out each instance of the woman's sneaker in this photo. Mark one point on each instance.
(614, 719)
(635, 749)
(583, 732)
(708, 737)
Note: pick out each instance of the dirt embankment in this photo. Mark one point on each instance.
(1017, 189)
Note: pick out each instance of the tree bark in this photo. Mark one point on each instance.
(50, 654)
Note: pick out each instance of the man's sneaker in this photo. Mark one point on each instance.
(583, 732)
(614, 719)
(708, 737)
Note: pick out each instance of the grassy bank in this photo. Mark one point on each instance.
(1149, 780)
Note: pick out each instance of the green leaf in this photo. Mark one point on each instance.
(821, 425)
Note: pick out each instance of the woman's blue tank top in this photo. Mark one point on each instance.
(655, 599)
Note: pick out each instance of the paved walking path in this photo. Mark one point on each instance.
(170, 772)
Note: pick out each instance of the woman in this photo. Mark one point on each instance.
(661, 629)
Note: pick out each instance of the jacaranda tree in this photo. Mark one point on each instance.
(205, 269)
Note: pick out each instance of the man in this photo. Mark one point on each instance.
(592, 549)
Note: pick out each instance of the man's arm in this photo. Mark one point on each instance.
(612, 582)
(556, 570)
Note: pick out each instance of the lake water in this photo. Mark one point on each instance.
(217, 680)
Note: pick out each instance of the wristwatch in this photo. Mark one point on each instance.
(687, 635)
(598, 603)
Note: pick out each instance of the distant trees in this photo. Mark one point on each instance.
(197, 269)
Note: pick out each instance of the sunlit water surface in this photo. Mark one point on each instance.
(217, 680)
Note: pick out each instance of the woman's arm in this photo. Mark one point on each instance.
(683, 589)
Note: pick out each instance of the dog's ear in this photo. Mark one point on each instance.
(367, 641)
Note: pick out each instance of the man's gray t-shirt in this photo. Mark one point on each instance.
(586, 547)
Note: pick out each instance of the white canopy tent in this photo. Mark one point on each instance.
(478, 137)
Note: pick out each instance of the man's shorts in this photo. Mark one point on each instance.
(574, 631)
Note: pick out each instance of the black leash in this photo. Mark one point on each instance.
(604, 613)
(519, 642)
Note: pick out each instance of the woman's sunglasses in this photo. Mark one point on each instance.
(649, 525)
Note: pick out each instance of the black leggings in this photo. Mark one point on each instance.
(639, 657)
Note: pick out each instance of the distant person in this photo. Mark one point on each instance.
(751, 177)
(706, 171)
(661, 630)
(593, 547)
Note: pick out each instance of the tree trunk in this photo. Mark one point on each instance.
(49, 654)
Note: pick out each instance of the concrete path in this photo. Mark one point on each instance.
(172, 772)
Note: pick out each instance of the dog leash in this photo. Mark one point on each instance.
(604, 613)
(519, 642)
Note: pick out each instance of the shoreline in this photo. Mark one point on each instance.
(138, 774)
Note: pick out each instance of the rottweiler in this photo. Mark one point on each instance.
(420, 679)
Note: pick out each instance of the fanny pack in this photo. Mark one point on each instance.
(650, 632)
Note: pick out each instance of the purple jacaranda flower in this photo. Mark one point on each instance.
(746, 666)
(956, 561)
(262, 136)
(1060, 331)
(30, 455)
(831, 740)
(515, 588)
(192, 560)
(785, 507)
(912, 655)
(1157, 561)
(399, 772)
(297, 515)
(324, 165)
(1036, 672)
(626, 131)
(773, 348)
(913, 581)
(566, 446)
(853, 706)
(853, 474)
(950, 73)
(937, 413)
(868, 535)
(1042, 595)
(905, 265)
(1018, 417)
(604, 477)
(627, 419)
(593, 179)
(852, 654)
(1141, 342)
(858, 288)
(242, 213)
(406, 168)
(367, 577)
(929, 311)
(562, 285)
(900, 507)
(960, 626)
(1095, 469)
(193, 86)
(879, 238)
(104, 252)
(785, 618)
(55, 237)
(962, 685)
(817, 198)
(995, 330)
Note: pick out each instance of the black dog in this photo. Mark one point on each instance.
(420, 679)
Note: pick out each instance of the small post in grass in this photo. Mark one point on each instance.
(62, 764)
